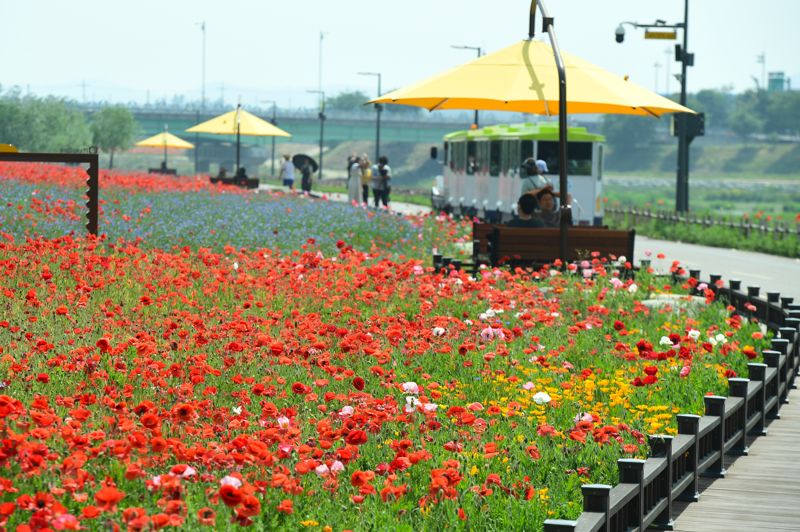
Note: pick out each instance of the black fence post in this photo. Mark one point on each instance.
(596, 498)
(773, 360)
(757, 372)
(690, 424)
(737, 387)
(715, 406)
(631, 471)
(661, 447)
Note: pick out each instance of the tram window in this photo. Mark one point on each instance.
(472, 164)
(579, 157)
(525, 150)
(445, 159)
(494, 158)
(482, 158)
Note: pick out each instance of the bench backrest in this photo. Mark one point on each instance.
(501, 243)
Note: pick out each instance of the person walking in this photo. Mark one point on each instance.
(354, 181)
(366, 178)
(381, 179)
(287, 171)
(305, 181)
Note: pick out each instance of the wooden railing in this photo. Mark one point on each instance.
(647, 488)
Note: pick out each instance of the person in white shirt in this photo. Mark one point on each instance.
(354, 181)
(381, 179)
(287, 172)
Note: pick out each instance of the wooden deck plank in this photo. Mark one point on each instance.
(760, 492)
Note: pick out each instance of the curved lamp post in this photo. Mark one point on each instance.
(477, 49)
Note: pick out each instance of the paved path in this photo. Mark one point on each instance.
(771, 273)
(760, 492)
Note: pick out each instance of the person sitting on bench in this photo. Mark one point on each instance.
(548, 213)
(241, 176)
(525, 207)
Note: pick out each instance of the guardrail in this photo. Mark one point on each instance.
(744, 226)
(647, 488)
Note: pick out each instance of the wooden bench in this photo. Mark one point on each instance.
(532, 246)
(165, 171)
(250, 182)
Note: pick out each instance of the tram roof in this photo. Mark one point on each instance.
(526, 131)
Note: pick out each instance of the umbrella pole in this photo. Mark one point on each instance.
(238, 142)
(564, 207)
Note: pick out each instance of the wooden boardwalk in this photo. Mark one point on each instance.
(760, 492)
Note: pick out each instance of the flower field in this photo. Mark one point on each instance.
(221, 358)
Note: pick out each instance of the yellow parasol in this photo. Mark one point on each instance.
(523, 78)
(165, 140)
(238, 122)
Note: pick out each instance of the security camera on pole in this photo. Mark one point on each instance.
(685, 126)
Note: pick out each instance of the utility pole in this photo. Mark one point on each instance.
(274, 123)
(321, 127)
(378, 109)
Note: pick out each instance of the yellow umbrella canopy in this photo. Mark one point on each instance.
(523, 78)
(249, 124)
(165, 140)
(238, 122)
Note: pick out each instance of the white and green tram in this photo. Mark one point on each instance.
(482, 174)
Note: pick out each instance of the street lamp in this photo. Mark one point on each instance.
(378, 109)
(202, 94)
(274, 123)
(686, 128)
(478, 49)
(321, 126)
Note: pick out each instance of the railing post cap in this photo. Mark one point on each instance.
(713, 398)
(738, 379)
(688, 416)
(756, 364)
(596, 487)
(631, 461)
(560, 522)
(665, 437)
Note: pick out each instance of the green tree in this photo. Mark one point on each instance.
(347, 101)
(41, 124)
(783, 113)
(113, 129)
(716, 104)
(747, 117)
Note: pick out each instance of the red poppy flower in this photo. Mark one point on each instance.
(230, 495)
(356, 437)
(108, 497)
(286, 507)
(358, 383)
(300, 389)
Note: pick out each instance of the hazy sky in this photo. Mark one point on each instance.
(269, 49)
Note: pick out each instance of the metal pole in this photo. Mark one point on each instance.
(378, 110)
(565, 208)
(272, 167)
(196, 144)
(682, 186)
(203, 91)
(238, 136)
(476, 111)
(321, 133)
(165, 146)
